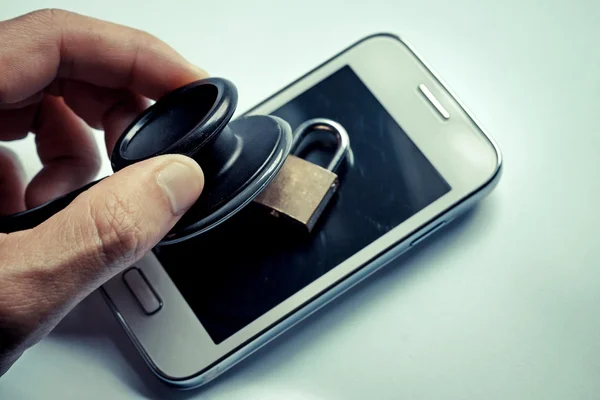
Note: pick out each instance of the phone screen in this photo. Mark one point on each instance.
(235, 273)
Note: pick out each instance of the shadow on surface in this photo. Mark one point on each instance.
(93, 318)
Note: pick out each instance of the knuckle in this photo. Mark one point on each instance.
(42, 18)
(146, 43)
(118, 234)
(144, 37)
(49, 15)
(33, 35)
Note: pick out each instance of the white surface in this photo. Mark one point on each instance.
(505, 305)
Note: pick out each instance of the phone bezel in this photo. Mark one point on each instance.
(191, 358)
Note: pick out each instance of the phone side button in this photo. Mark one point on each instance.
(428, 233)
(141, 289)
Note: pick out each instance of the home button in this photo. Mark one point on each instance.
(141, 289)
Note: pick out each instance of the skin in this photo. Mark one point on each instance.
(62, 74)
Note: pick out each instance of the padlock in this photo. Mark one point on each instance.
(301, 190)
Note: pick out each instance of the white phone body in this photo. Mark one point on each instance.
(176, 344)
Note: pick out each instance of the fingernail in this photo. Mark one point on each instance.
(182, 182)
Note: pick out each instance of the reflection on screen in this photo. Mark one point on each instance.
(235, 273)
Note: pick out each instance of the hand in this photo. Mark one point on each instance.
(60, 75)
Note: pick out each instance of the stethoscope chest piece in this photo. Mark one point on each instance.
(239, 157)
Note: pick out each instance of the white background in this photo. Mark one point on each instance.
(506, 305)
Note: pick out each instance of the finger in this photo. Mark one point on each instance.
(12, 183)
(111, 110)
(67, 152)
(31, 100)
(104, 230)
(119, 117)
(99, 107)
(16, 124)
(48, 44)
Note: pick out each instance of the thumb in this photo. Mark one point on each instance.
(118, 220)
(104, 230)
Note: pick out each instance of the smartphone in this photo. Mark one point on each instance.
(417, 160)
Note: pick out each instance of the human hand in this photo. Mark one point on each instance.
(60, 75)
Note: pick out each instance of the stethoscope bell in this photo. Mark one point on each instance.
(239, 157)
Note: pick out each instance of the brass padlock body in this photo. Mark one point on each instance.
(299, 192)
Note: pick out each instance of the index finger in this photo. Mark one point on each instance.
(41, 46)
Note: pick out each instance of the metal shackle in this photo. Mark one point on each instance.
(325, 124)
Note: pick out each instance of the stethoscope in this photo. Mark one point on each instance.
(239, 157)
